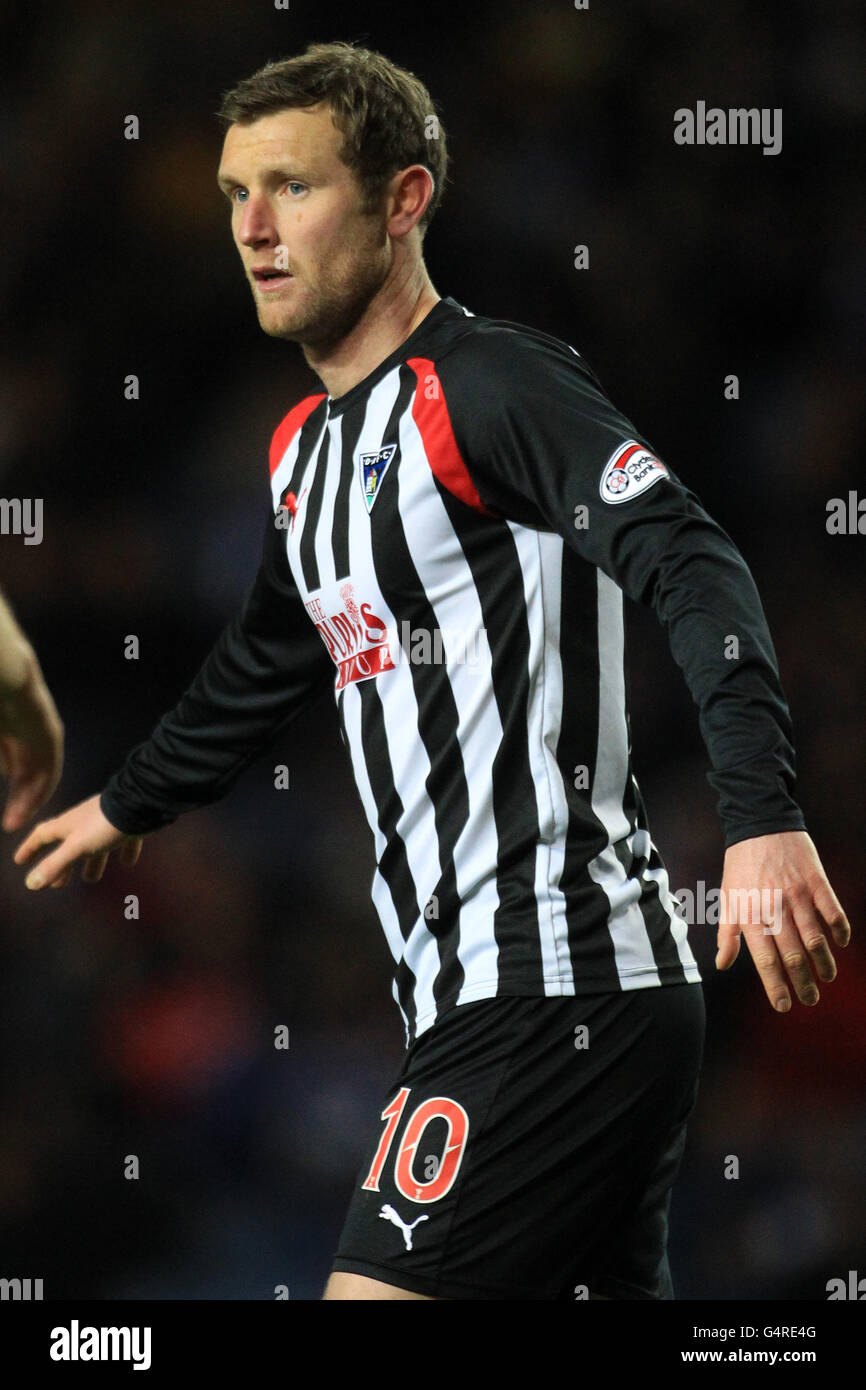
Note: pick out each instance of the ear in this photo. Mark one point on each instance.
(408, 195)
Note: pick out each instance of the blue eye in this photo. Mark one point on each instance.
(294, 184)
(236, 195)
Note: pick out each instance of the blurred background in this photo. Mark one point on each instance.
(154, 1037)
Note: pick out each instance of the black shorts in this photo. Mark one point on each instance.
(528, 1147)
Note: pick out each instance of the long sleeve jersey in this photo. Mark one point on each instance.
(447, 546)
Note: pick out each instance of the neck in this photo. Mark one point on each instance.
(392, 314)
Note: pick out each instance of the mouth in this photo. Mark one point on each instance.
(267, 279)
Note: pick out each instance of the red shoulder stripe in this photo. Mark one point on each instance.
(289, 426)
(434, 424)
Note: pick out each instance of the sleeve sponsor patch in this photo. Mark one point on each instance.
(630, 469)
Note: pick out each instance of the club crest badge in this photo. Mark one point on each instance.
(373, 468)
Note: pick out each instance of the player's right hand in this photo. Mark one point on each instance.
(31, 742)
(84, 833)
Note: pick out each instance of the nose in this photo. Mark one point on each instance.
(256, 227)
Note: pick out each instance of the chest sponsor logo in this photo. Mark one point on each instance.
(373, 468)
(356, 639)
(630, 470)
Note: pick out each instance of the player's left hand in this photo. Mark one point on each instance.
(792, 942)
(31, 745)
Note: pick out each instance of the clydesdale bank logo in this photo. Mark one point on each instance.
(736, 126)
(631, 469)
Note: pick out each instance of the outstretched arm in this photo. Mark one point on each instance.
(544, 446)
(267, 665)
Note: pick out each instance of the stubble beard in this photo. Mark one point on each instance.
(330, 310)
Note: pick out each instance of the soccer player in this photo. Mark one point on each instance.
(31, 730)
(452, 524)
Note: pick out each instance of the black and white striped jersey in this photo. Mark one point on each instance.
(448, 545)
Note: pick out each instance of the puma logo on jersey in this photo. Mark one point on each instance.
(373, 469)
(389, 1214)
(291, 505)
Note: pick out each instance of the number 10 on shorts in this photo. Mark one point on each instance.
(438, 1107)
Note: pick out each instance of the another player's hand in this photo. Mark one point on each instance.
(31, 745)
(84, 833)
(794, 943)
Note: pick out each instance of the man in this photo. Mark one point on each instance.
(31, 730)
(462, 475)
